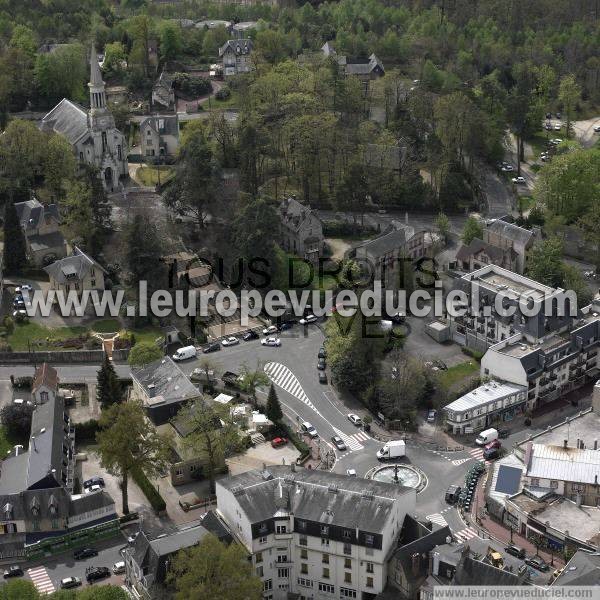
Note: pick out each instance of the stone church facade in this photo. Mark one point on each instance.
(93, 135)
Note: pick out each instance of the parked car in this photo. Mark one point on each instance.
(494, 444)
(519, 180)
(307, 428)
(92, 489)
(508, 168)
(491, 453)
(70, 582)
(13, 571)
(559, 115)
(286, 325)
(20, 312)
(230, 341)
(557, 127)
(184, 353)
(351, 472)
(452, 494)
(548, 126)
(321, 365)
(97, 573)
(119, 567)
(537, 563)
(322, 377)
(515, 551)
(548, 115)
(84, 553)
(322, 353)
(96, 480)
(271, 341)
(431, 414)
(355, 419)
(278, 442)
(338, 442)
(214, 347)
(503, 433)
(308, 319)
(270, 329)
(22, 288)
(250, 335)
(597, 128)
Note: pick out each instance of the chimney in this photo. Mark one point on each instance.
(33, 442)
(596, 479)
(293, 466)
(415, 564)
(151, 390)
(595, 444)
(565, 442)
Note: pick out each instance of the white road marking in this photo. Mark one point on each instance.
(41, 580)
(465, 534)
(280, 375)
(438, 519)
(349, 440)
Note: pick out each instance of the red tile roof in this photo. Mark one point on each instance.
(45, 375)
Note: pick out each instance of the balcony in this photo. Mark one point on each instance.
(531, 395)
(547, 391)
(553, 377)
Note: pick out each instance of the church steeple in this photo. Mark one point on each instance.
(96, 85)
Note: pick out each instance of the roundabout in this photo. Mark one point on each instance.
(406, 475)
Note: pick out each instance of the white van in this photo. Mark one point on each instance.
(185, 353)
(487, 436)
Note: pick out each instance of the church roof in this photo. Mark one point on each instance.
(67, 118)
(95, 76)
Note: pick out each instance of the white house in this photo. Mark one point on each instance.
(236, 57)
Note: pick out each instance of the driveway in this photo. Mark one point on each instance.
(584, 131)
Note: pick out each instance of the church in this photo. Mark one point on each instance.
(92, 134)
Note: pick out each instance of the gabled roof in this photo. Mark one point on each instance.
(293, 213)
(46, 241)
(510, 231)
(477, 245)
(72, 268)
(68, 119)
(85, 503)
(582, 569)
(32, 213)
(475, 572)
(47, 376)
(238, 47)
(163, 125)
(383, 244)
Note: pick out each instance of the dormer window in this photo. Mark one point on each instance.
(324, 530)
(35, 506)
(8, 511)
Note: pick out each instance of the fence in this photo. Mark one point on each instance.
(60, 356)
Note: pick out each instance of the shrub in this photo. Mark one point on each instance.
(86, 431)
(16, 418)
(473, 353)
(302, 447)
(156, 500)
(223, 94)
(23, 383)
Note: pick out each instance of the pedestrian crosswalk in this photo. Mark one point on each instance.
(465, 534)
(352, 441)
(41, 580)
(280, 375)
(438, 519)
(460, 461)
(476, 453)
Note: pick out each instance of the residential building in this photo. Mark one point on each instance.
(478, 253)
(163, 92)
(236, 56)
(301, 231)
(488, 405)
(36, 485)
(364, 69)
(159, 136)
(147, 559)
(315, 534)
(492, 287)
(40, 223)
(163, 388)
(582, 569)
(92, 134)
(508, 236)
(77, 272)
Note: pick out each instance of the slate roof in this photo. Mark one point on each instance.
(511, 231)
(477, 245)
(182, 423)
(167, 125)
(241, 46)
(32, 213)
(582, 569)
(363, 67)
(307, 494)
(386, 243)
(564, 464)
(45, 375)
(84, 503)
(164, 382)
(475, 572)
(72, 268)
(483, 395)
(293, 213)
(418, 544)
(67, 118)
(46, 241)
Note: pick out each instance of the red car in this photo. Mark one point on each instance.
(494, 444)
(278, 441)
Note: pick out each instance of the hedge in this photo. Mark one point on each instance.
(293, 437)
(156, 500)
(86, 430)
(472, 353)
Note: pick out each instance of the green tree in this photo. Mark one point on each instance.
(590, 226)
(19, 589)
(109, 390)
(114, 58)
(573, 280)
(143, 252)
(127, 440)
(270, 44)
(569, 94)
(143, 353)
(252, 380)
(213, 437)
(442, 224)
(102, 592)
(59, 166)
(23, 38)
(14, 241)
(472, 229)
(212, 570)
(78, 217)
(544, 263)
(170, 41)
(273, 409)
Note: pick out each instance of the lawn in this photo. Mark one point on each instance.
(526, 203)
(215, 104)
(6, 442)
(146, 334)
(458, 373)
(148, 176)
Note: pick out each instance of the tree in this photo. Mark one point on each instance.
(573, 280)
(102, 592)
(16, 419)
(472, 229)
(143, 252)
(569, 94)
(213, 436)
(19, 589)
(545, 262)
(170, 41)
(14, 241)
(59, 166)
(590, 226)
(114, 58)
(128, 440)
(212, 570)
(252, 380)
(78, 216)
(109, 390)
(144, 353)
(273, 409)
(442, 224)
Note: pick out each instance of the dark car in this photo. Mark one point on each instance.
(491, 453)
(93, 481)
(13, 571)
(250, 335)
(515, 551)
(321, 364)
(503, 433)
(322, 353)
(97, 573)
(214, 347)
(452, 494)
(338, 442)
(537, 563)
(286, 325)
(85, 553)
(322, 377)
